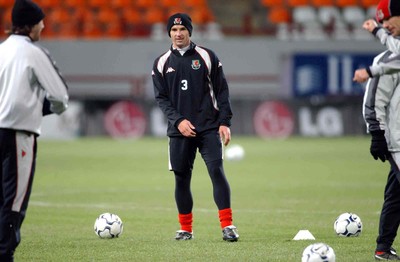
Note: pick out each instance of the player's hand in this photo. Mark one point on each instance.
(360, 75)
(186, 128)
(379, 148)
(225, 134)
(370, 25)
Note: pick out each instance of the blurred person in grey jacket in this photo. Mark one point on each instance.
(30, 87)
(381, 111)
(387, 31)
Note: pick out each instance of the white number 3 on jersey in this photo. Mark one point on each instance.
(184, 84)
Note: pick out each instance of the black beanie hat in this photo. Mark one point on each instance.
(26, 12)
(180, 19)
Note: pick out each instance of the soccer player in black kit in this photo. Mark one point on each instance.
(192, 92)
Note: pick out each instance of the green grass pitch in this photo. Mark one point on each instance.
(279, 188)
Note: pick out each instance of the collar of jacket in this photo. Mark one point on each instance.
(16, 36)
(188, 52)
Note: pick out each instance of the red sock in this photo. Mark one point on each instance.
(186, 221)
(225, 217)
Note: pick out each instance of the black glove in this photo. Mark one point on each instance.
(379, 148)
(46, 107)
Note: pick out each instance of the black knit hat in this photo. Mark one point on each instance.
(26, 12)
(180, 19)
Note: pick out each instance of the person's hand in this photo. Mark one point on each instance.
(225, 134)
(379, 148)
(370, 25)
(186, 128)
(360, 75)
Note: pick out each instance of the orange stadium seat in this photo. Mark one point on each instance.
(169, 3)
(172, 7)
(193, 4)
(61, 24)
(202, 15)
(49, 3)
(154, 15)
(107, 15)
(133, 22)
(74, 3)
(91, 27)
(278, 15)
(97, 3)
(143, 5)
(131, 16)
(322, 3)
(178, 9)
(6, 20)
(4, 4)
(53, 20)
(110, 22)
(346, 3)
(272, 3)
(113, 30)
(58, 15)
(281, 17)
(368, 3)
(91, 30)
(298, 3)
(121, 4)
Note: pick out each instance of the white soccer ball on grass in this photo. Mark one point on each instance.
(234, 153)
(348, 225)
(108, 225)
(318, 252)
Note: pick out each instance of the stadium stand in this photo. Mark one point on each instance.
(370, 12)
(131, 21)
(284, 19)
(191, 5)
(110, 22)
(97, 4)
(61, 24)
(366, 4)
(6, 18)
(121, 4)
(354, 16)
(71, 4)
(48, 4)
(97, 19)
(319, 19)
(145, 4)
(279, 14)
(4, 4)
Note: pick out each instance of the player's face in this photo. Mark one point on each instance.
(179, 36)
(36, 31)
(393, 25)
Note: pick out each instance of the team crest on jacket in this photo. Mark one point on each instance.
(196, 64)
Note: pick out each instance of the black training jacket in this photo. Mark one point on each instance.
(192, 87)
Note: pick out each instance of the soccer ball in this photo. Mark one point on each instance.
(348, 225)
(318, 252)
(234, 153)
(108, 225)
